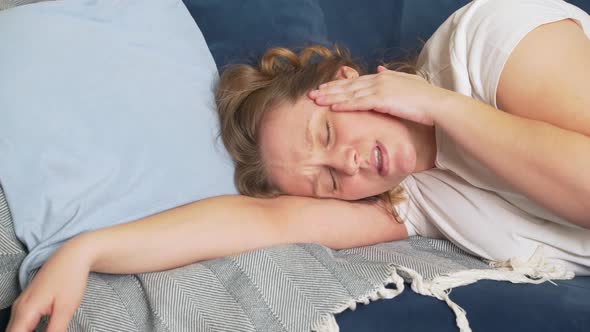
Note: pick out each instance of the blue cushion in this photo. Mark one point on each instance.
(240, 31)
(421, 18)
(491, 306)
(4, 317)
(370, 29)
(583, 4)
(380, 30)
(106, 116)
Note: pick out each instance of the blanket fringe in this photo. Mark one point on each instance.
(533, 271)
(328, 322)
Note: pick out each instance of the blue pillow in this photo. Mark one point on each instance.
(106, 116)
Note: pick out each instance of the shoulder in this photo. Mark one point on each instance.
(495, 29)
(477, 40)
(547, 75)
(501, 24)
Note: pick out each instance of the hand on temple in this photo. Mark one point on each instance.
(394, 93)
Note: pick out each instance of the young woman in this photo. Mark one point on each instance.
(490, 147)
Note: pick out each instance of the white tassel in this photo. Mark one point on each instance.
(535, 270)
(514, 270)
(329, 324)
(431, 288)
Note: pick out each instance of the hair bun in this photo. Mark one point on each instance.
(277, 60)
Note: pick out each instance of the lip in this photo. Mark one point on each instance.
(384, 160)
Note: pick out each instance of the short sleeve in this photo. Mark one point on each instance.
(490, 30)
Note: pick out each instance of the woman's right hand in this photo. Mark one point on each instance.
(57, 290)
(394, 93)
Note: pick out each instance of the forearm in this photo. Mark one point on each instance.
(206, 229)
(545, 162)
(227, 225)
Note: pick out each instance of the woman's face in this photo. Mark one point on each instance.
(309, 150)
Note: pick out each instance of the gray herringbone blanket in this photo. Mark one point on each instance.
(5, 4)
(285, 288)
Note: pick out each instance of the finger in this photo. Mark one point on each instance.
(59, 321)
(23, 321)
(366, 103)
(336, 98)
(381, 69)
(346, 81)
(350, 88)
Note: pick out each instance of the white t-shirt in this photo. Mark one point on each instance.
(461, 199)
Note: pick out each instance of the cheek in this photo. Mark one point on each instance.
(358, 125)
(352, 122)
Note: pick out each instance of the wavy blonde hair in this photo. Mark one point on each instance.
(245, 93)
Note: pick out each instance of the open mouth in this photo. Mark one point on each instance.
(381, 159)
(378, 155)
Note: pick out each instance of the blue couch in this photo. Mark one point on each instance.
(239, 30)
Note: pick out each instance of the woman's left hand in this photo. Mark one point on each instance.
(56, 290)
(395, 93)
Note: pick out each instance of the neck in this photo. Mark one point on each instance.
(425, 142)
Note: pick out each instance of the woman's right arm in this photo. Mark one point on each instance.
(205, 229)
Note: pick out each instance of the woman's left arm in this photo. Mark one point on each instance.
(541, 143)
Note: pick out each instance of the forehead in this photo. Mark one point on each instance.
(288, 123)
(297, 113)
(285, 150)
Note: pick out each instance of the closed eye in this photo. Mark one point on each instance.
(334, 187)
(328, 133)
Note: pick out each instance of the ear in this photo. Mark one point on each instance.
(345, 72)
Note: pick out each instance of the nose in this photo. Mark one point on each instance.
(346, 161)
